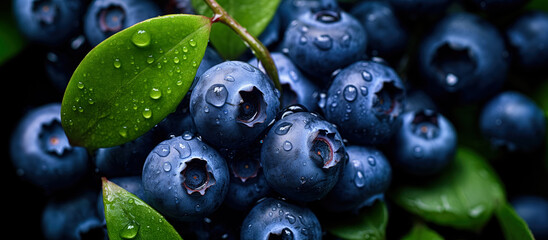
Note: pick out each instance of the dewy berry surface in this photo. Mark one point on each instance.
(444, 101)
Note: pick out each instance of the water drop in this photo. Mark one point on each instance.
(359, 179)
(141, 38)
(290, 218)
(323, 42)
(229, 78)
(371, 160)
(350, 92)
(364, 91)
(283, 128)
(167, 166)
(367, 76)
(176, 60)
(184, 150)
(155, 93)
(123, 131)
(150, 59)
(451, 79)
(417, 152)
(287, 146)
(129, 231)
(476, 211)
(185, 49)
(303, 40)
(192, 42)
(80, 85)
(147, 113)
(216, 95)
(346, 39)
(162, 150)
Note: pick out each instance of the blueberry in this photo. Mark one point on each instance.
(107, 17)
(527, 37)
(290, 10)
(126, 159)
(386, 36)
(296, 87)
(534, 211)
(365, 178)
(48, 22)
(232, 104)
(41, 152)
(417, 99)
(413, 9)
(277, 219)
(247, 181)
(365, 100)
(513, 121)
(496, 6)
(72, 216)
(272, 33)
(185, 179)
(463, 59)
(425, 143)
(302, 156)
(322, 41)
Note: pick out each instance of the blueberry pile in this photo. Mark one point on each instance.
(373, 94)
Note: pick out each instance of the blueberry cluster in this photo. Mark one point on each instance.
(372, 93)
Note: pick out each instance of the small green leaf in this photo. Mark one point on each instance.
(254, 15)
(512, 225)
(370, 223)
(464, 196)
(422, 232)
(133, 80)
(128, 217)
(538, 4)
(11, 40)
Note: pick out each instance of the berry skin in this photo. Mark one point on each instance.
(527, 37)
(185, 179)
(463, 59)
(322, 41)
(513, 121)
(365, 178)
(302, 156)
(386, 36)
(425, 143)
(365, 100)
(290, 10)
(534, 211)
(51, 23)
(72, 216)
(277, 219)
(107, 17)
(232, 104)
(496, 6)
(41, 152)
(296, 87)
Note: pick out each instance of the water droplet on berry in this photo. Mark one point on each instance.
(364, 91)
(350, 92)
(303, 40)
(184, 150)
(216, 95)
(141, 38)
(167, 166)
(451, 79)
(229, 78)
(359, 179)
(290, 218)
(323, 42)
(367, 76)
(371, 160)
(287, 146)
(283, 128)
(417, 152)
(162, 150)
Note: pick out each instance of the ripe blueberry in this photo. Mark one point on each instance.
(534, 211)
(527, 37)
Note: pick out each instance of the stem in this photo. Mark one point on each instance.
(256, 46)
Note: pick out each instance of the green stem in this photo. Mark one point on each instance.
(256, 46)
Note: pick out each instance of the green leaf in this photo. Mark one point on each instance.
(422, 232)
(512, 225)
(370, 223)
(254, 15)
(128, 217)
(464, 196)
(11, 40)
(538, 4)
(133, 80)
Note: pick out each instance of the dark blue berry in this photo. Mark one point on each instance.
(463, 59)
(417, 9)
(232, 104)
(365, 100)
(296, 87)
(302, 156)
(417, 99)
(290, 10)
(425, 143)
(528, 39)
(72, 216)
(513, 121)
(496, 6)
(48, 22)
(107, 17)
(322, 41)
(386, 36)
(41, 152)
(365, 178)
(534, 211)
(185, 179)
(277, 219)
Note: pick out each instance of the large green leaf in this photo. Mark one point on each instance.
(370, 223)
(133, 80)
(128, 217)
(254, 15)
(512, 225)
(422, 232)
(11, 40)
(464, 196)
